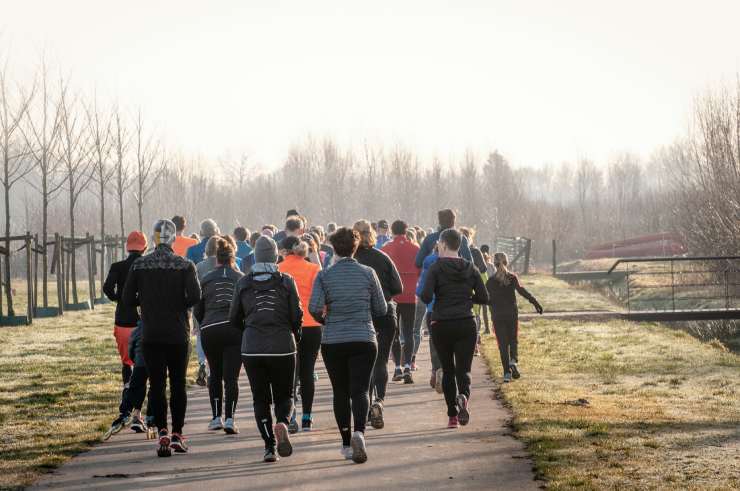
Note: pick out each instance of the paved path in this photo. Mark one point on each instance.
(413, 451)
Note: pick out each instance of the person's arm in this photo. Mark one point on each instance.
(424, 251)
(109, 287)
(199, 310)
(523, 292)
(236, 312)
(318, 299)
(465, 250)
(430, 284)
(192, 286)
(296, 313)
(130, 295)
(480, 294)
(396, 286)
(132, 340)
(478, 260)
(378, 305)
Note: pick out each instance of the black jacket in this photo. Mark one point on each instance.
(503, 297)
(267, 309)
(165, 286)
(455, 285)
(478, 260)
(126, 316)
(384, 267)
(217, 292)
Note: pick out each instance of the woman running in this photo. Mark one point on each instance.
(455, 285)
(502, 288)
(304, 273)
(345, 298)
(221, 341)
(266, 307)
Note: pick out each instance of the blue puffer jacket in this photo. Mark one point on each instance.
(423, 276)
(427, 247)
(197, 253)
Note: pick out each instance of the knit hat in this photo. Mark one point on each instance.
(164, 232)
(265, 250)
(209, 228)
(136, 242)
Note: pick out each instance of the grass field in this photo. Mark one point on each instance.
(623, 405)
(59, 389)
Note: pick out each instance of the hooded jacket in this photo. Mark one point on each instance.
(427, 247)
(126, 316)
(503, 297)
(218, 290)
(455, 285)
(403, 254)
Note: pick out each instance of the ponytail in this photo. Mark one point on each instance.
(501, 261)
(225, 252)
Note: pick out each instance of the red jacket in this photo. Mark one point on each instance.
(403, 253)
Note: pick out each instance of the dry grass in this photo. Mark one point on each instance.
(557, 296)
(663, 408)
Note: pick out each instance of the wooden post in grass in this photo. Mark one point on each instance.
(59, 269)
(554, 258)
(527, 253)
(90, 268)
(29, 278)
(36, 251)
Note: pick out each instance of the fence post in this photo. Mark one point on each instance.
(554, 258)
(90, 248)
(527, 253)
(60, 271)
(29, 279)
(36, 271)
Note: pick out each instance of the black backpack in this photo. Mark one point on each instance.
(267, 302)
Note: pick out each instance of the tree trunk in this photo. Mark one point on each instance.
(6, 260)
(73, 244)
(102, 234)
(45, 238)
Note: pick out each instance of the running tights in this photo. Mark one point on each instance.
(270, 375)
(506, 329)
(455, 342)
(406, 316)
(308, 351)
(222, 346)
(165, 361)
(385, 330)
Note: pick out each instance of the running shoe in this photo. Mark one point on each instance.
(397, 375)
(284, 448)
(178, 443)
(164, 449)
(117, 425)
(438, 383)
(137, 425)
(201, 379)
(230, 427)
(306, 423)
(463, 415)
(514, 369)
(293, 426)
(453, 423)
(433, 380)
(376, 415)
(507, 377)
(346, 452)
(216, 424)
(270, 455)
(359, 451)
(407, 377)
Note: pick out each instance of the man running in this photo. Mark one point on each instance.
(383, 235)
(182, 242)
(446, 219)
(208, 228)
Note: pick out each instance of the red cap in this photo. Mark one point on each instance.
(136, 241)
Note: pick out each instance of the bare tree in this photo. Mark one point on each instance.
(122, 179)
(15, 162)
(150, 164)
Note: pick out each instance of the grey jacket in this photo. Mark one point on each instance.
(218, 290)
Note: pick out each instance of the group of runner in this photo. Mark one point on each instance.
(270, 301)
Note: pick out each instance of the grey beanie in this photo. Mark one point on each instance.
(209, 228)
(265, 250)
(164, 232)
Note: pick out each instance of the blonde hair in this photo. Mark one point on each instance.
(212, 246)
(367, 234)
(501, 261)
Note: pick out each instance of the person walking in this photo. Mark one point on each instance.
(243, 248)
(437, 374)
(182, 242)
(304, 274)
(126, 318)
(502, 288)
(208, 228)
(446, 219)
(266, 308)
(455, 285)
(345, 299)
(383, 235)
(221, 341)
(165, 286)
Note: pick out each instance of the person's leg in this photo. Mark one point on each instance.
(466, 335)
(136, 390)
(419, 313)
(396, 352)
(122, 334)
(337, 366)
(177, 366)
(432, 349)
(502, 328)
(443, 338)
(406, 313)
(385, 330)
(156, 364)
(361, 363)
(487, 325)
(231, 366)
(259, 383)
(308, 351)
(212, 344)
(282, 372)
(514, 341)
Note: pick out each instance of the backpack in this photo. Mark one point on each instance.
(268, 302)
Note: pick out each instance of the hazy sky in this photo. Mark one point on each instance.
(543, 81)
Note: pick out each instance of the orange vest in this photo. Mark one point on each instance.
(304, 273)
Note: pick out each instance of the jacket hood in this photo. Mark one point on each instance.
(263, 271)
(457, 268)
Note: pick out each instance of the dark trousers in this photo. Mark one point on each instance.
(350, 366)
(455, 342)
(222, 346)
(165, 361)
(396, 348)
(432, 350)
(385, 331)
(308, 351)
(507, 329)
(126, 372)
(271, 379)
(136, 392)
(406, 317)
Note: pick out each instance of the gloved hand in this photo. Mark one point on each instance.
(538, 307)
(298, 334)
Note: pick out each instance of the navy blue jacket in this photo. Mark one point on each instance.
(427, 247)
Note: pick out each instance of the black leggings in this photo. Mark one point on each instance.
(308, 351)
(455, 342)
(506, 329)
(222, 346)
(136, 392)
(126, 372)
(385, 330)
(350, 366)
(406, 318)
(163, 360)
(270, 378)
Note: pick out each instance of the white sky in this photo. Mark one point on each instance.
(542, 81)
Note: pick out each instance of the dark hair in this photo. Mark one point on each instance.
(318, 230)
(253, 238)
(485, 249)
(292, 213)
(345, 241)
(383, 224)
(294, 246)
(451, 238)
(446, 218)
(179, 222)
(270, 226)
(399, 227)
(331, 227)
(293, 223)
(224, 251)
(241, 233)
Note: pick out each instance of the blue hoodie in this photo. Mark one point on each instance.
(197, 253)
(431, 259)
(427, 247)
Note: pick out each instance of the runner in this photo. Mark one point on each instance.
(126, 317)
(304, 273)
(435, 381)
(446, 219)
(403, 254)
(502, 288)
(221, 341)
(266, 307)
(208, 228)
(182, 242)
(480, 264)
(137, 386)
(383, 235)
(351, 296)
(165, 286)
(287, 232)
(243, 248)
(455, 285)
(386, 326)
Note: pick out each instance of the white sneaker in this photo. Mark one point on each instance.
(230, 427)
(346, 452)
(216, 424)
(359, 451)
